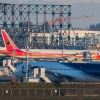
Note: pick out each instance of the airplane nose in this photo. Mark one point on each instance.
(14, 73)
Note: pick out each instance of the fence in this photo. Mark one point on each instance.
(49, 92)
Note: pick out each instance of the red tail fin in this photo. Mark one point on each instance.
(9, 44)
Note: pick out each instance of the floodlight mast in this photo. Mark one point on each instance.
(26, 55)
(13, 48)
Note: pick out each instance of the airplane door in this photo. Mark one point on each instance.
(85, 54)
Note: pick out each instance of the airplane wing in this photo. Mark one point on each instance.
(69, 58)
(70, 75)
(59, 74)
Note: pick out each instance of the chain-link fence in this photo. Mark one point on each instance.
(50, 92)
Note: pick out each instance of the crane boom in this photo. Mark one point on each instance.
(61, 19)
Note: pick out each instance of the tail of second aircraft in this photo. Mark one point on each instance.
(9, 44)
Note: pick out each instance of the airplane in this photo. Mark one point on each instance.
(13, 50)
(56, 71)
(2, 55)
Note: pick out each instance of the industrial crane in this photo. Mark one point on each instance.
(61, 20)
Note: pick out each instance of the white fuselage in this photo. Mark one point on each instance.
(52, 51)
(55, 68)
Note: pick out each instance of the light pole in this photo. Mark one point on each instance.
(89, 36)
(89, 50)
(26, 55)
(13, 34)
(13, 56)
(99, 41)
(85, 42)
(63, 47)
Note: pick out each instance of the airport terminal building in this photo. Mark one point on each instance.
(72, 39)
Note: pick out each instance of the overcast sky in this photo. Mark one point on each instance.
(68, 1)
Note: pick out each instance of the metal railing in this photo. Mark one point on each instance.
(50, 92)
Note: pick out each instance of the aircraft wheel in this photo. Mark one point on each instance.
(75, 59)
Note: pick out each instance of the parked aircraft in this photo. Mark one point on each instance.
(13, 50)
(2, 55)
(74, 72)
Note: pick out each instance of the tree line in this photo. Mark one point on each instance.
(95, 27)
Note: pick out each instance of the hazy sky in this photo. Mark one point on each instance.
(22, 0)
(76, 9)
(68, 1)
(75, 1)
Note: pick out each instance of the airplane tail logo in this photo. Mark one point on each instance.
(9, 44)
